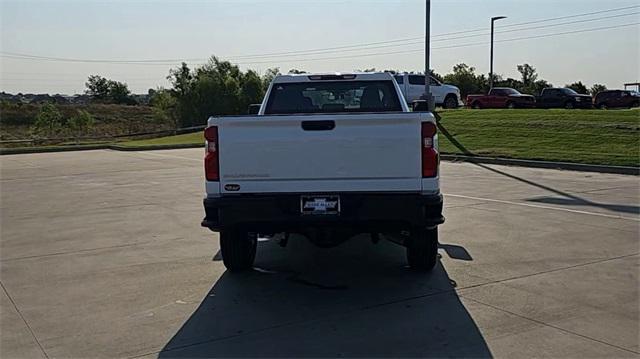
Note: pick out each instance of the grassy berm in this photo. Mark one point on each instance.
(110, 120)
(582, 136)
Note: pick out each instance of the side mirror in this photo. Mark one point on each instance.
(419, 106)
(254, 108)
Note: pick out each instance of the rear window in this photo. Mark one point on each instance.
(399, 79)
(333, 96)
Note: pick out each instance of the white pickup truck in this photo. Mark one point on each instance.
(412, 87)
(328, 156)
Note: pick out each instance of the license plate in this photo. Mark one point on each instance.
(319, 205)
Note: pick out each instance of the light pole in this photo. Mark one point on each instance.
(427, 50)
(493, 19)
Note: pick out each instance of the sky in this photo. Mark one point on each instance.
(243, 32)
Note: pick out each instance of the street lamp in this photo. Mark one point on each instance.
(493, 19)
(427, 55)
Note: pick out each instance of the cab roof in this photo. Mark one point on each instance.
(333, 76)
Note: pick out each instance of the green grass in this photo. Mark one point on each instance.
(581, 136)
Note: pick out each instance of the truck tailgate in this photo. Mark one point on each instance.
(320, 152)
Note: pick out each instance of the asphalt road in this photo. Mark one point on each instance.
(102, 255)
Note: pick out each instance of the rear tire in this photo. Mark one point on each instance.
(603, 106)
(450, 101)
(511, 105)
(238, 249)
(422, 249)
(569, 105)
(476, 106)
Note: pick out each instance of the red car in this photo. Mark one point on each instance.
(501, 97)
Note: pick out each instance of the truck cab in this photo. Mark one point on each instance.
(563, 98)
(327, 157)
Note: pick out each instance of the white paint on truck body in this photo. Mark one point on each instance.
(365, 152)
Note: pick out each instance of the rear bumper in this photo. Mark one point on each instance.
(281, 212)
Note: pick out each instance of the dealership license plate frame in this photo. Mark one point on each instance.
(320, 205)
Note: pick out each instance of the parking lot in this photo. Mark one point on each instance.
(102, 255)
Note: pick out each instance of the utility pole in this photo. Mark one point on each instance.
(427, 50)
(493, 19)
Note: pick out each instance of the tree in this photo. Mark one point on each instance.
(466, 80)
(80, 124)
(119, 93)
(436, 75)
(49, 120)
(251, 89)
(268, 76)
(180, 79)
(215, 88)
(163, 105)
(108, 91)
(297, 72)
(578, 87)
(538, 86)
(528, 74)
(597, 88)
(97, 87)
(509, 82)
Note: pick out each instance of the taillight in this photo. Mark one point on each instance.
(211, 157)
(430, 158)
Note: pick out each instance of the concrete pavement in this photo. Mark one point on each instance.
(101, 255)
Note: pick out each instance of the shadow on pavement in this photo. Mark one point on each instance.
(357, 299)
(581, 202)
(456, 252)
(567, 200)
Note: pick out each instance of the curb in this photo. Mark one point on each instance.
(26, 150)
(155, 147)
(567, 166)
(23, 150)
